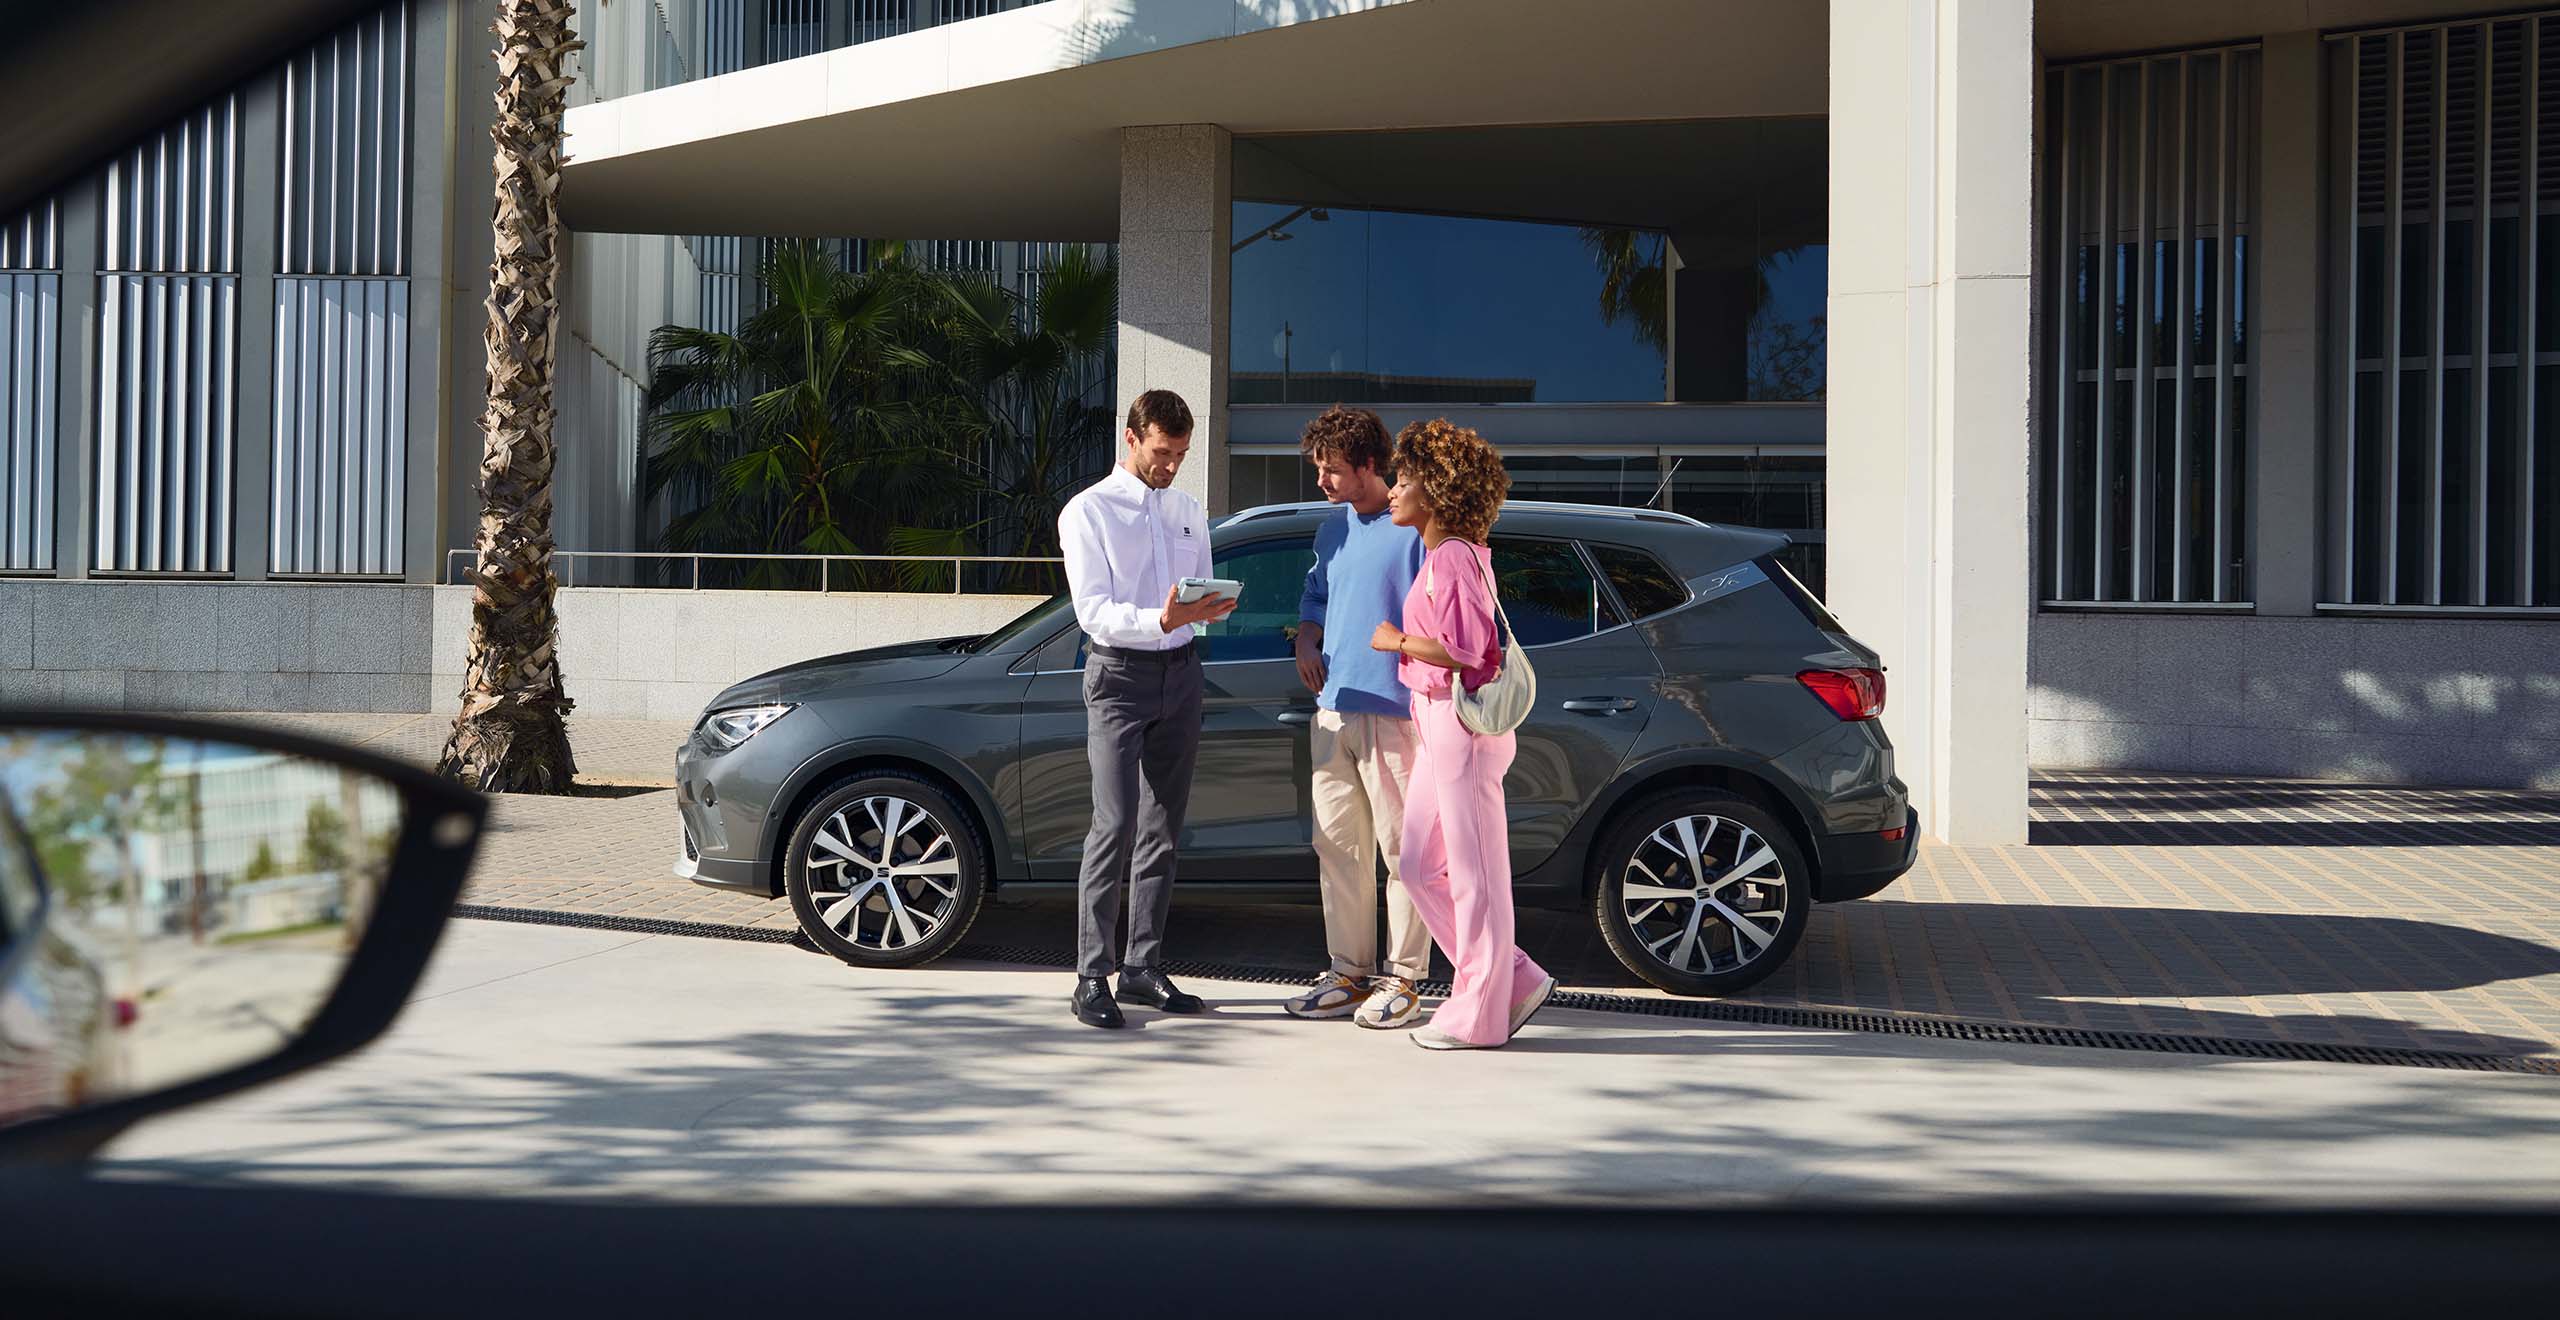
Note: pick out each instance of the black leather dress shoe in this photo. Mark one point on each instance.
(1093, 1003)
(1146, 985)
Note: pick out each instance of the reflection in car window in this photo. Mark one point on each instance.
(1643, 583)
(1547, 592)
(20, 892)
(1274, 573)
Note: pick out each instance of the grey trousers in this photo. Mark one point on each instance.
(1142, 736)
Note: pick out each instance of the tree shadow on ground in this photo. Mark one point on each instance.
(921, 1094)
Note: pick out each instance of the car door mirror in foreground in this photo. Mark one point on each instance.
(189, 907)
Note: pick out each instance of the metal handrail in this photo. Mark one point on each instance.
(457, 571)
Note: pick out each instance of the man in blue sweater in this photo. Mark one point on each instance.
(1363, 740)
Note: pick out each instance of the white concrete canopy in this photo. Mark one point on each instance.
(1008, 127)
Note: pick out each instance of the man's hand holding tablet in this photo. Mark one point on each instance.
(1201, 600)
(1191, 589)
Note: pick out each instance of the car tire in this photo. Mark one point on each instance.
(895, 915)
(1658, 931)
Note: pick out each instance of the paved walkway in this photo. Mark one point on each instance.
(2312, 912)
(548, 1062)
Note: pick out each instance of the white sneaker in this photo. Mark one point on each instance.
(1334, 995)
(1433, 1038)
(1392, 1002)
(1528, 1008)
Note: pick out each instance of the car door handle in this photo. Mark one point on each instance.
(1601, 705)
(1297, 717)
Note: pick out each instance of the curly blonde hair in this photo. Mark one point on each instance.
(1460, 473)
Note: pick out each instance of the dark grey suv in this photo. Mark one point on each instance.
(1703, 764)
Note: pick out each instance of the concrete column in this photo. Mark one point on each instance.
(469, 248)
(437, 170)
(252, 489)
(1932, 106)
(1176, 202)
(2284, 352)
(75, 437)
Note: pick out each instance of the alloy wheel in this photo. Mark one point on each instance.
(1705, 894)
(883, 873)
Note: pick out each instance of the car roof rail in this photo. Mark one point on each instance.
(1526, 506)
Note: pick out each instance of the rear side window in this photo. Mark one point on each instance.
(1548, 593)
(1643, 583)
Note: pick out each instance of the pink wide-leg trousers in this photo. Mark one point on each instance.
(1457, 866)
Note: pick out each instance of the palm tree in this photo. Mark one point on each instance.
(1631, 281)
(1785, 360)
(512, 734)
(895, 409)
(1037, 375)
(824, 422)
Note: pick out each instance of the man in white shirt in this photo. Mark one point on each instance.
(1129, 540)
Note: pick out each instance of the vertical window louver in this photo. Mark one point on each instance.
(2150, 176)
(339, 449)
(724, 36)
(30, 354)
(168, 323)
(717, 257)
(874, 19)
(2443, 353)
(793, 28)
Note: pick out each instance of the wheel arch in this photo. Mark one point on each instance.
(821, 774)
(1644, 783)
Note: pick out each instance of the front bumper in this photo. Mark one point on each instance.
(720, 836)
(1855, 865)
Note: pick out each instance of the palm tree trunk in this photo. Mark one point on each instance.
(512, 734)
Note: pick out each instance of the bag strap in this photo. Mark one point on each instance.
(1491, 590)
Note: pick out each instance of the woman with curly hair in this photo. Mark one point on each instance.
(1457, 843)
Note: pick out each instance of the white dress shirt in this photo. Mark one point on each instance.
(1127, 544)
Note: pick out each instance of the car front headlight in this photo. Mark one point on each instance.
(726, 729)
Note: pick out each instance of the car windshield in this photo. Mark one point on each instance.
(1030, 625)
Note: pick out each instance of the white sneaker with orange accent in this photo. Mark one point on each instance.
(1392, 1002)
(1333, 995)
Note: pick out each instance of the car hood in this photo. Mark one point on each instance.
(906, 662)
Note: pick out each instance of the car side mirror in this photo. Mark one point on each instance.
(190, 907)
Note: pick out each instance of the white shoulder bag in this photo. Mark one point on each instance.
(1502, 704)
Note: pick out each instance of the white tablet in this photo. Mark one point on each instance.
(1193, 589)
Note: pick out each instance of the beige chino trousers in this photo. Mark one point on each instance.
(1362, 764)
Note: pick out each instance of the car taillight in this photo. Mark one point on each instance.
(1852, 694)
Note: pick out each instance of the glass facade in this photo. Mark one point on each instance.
(1337, 305)
(1585, 274)
(1682, 262)
(1382, 307)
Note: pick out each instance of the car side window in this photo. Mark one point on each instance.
(1265, 624)
(1548, 592)
(1642, 582)
(1060, 653)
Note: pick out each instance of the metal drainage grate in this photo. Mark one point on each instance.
(706, 930)
(1709, 1010)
